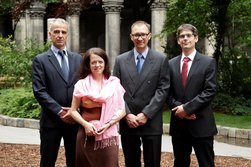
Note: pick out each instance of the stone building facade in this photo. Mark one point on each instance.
(106, 25)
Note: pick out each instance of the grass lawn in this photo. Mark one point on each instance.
(223, 120)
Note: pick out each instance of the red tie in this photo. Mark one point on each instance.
(184, 70)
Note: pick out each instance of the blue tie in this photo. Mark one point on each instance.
(140, 59)
(64, 65)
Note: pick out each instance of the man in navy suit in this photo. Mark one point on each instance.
(144, 75)
(53, 79)
(192, 89)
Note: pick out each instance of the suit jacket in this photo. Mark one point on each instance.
(50, 88)
(145, 92)
(197, 95)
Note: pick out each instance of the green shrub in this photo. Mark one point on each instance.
(16, 61)
(226, 104)
(19, 102)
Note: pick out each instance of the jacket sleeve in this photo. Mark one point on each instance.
(39, 87)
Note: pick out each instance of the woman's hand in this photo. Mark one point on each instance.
(90, 129)
(103, 128)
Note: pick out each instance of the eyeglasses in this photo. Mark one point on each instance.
(143, 35)
(185, 35)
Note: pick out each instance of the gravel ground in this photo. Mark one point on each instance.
(23, 155)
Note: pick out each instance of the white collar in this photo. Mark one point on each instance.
(191, 56)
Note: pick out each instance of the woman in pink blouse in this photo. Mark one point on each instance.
(101, 97)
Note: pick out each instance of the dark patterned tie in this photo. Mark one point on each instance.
(64, 65)
(140, 59)
(184, 71)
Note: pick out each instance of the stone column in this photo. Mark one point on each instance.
(36, 13)
(20, 31)
(112, 10)
(73, 41)
(158, 8)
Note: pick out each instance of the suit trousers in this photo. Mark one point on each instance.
(50, 143)
(203, 148)
(131, 145)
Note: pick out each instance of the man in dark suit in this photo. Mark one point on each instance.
(146, 90)
(53, 79)
(192, 88)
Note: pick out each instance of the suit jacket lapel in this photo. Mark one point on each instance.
(132, 71)
(193, 68)
(136, 78)
(52, 58)
(147, 67)
(71, 67)
(177, 71)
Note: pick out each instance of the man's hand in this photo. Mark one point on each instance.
(65, 115)
(141, 118)
(131, 121)
(180, 112)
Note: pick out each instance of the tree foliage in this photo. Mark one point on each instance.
(228, 22)
(188, 11)
(194, 12)
(234, 59)
(60, 7)
(16, 61)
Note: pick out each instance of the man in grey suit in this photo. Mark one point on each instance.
(53, 79)
(192, 89)
(146, 81)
